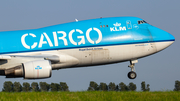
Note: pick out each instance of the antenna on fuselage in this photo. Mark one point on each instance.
(76, 20)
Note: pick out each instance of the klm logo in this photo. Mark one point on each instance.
(117, 24)
(118, 27)
(38, 67)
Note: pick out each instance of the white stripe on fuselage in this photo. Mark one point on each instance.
(101, 55)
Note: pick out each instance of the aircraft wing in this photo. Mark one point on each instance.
(5, 57)
(52, 57)
(33, 66)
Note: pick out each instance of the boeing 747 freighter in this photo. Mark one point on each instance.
(33, 54)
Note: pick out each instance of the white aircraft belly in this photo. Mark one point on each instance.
(117, 53)
(101, 55)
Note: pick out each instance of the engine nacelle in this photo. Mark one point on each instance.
(37, 69)
(31, 70)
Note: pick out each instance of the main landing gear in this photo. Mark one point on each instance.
(132, 74)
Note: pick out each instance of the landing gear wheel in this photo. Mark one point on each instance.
(132, 75)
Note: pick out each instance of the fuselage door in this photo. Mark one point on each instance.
(129, 25)
(142, 34)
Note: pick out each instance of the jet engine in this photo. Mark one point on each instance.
(31, 70)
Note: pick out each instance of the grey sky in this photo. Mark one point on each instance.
(159, 70)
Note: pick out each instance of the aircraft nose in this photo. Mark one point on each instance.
(171, 37)
(161, 38)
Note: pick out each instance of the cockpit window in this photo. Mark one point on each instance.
(141, 22)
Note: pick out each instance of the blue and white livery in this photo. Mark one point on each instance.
(34, 53)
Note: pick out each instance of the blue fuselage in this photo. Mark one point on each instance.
(81, 34)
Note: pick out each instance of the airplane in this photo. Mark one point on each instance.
(34, 53)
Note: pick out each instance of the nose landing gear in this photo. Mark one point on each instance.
(132, 74)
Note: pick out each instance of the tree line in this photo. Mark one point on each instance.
(177, 86)
(93, 86)
(62, 86)
(34, 87)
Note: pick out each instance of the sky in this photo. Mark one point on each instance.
(160, 70)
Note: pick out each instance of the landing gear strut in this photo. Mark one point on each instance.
(132, 74)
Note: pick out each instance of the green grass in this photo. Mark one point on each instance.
(90, 96)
